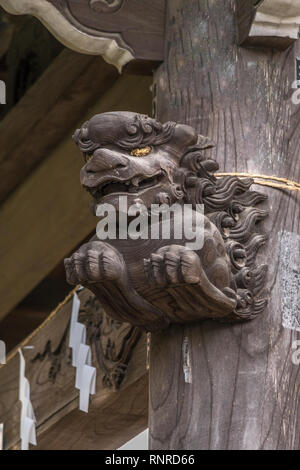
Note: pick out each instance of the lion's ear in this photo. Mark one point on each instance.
(185, 136)
(205, 142)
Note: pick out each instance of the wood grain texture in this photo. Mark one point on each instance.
(245, 388)
(31, 243)
(54, 103)
(54, 398)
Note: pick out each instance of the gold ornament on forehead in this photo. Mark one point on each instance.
(142, 152)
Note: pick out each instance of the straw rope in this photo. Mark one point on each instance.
(283, 183)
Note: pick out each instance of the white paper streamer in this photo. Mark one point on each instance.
(79, 337)
(27, 421)
(187, 367)
(87, 387)
(74, 318)
(1, 436)
(81, 358)
(2, 352)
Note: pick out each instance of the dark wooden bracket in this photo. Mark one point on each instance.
(154, 282)
(268, 23)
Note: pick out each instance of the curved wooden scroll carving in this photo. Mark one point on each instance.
(154, 282)
(119, 30)
(102, 6)
(112, 342)
(272, 23)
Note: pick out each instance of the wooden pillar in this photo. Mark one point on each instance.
(244, 390)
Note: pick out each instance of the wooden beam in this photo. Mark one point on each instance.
(106, 427)
(54, 103)
(47, 216)
(268, 23)
(120, 31)
(115, 415)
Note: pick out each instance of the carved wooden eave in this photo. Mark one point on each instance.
(270, 23)
(119, 31)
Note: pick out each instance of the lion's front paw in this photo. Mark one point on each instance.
(174, 264)
(94, 262)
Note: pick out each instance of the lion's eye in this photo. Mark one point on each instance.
(140, 152)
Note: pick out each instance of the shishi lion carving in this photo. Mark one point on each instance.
(152, 283)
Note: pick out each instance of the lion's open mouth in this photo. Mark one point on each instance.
(133, 185)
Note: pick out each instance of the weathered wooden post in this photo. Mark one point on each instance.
(244, 392)
(228, 71)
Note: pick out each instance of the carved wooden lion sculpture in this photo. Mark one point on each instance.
(154, 282)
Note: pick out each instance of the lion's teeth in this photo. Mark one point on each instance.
(135, 181)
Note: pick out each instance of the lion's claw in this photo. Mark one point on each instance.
(94, 262)
(174, 264)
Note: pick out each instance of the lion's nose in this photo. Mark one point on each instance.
(105, 160)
